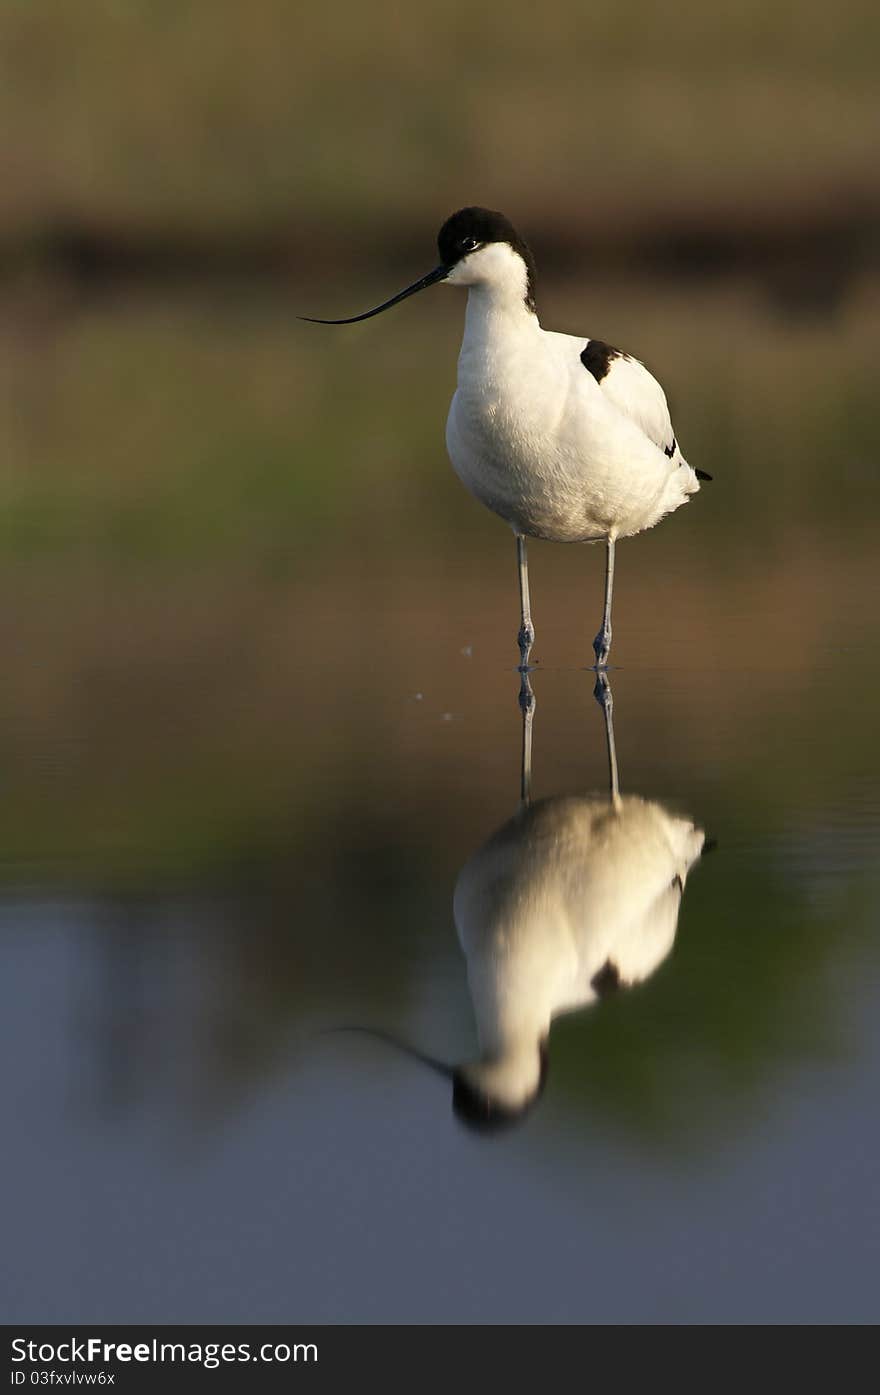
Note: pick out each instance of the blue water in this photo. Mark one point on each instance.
(186, 1140)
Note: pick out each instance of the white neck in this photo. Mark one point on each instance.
(510, 1079)
(497, 282)
(513, 1011)
(498, 309)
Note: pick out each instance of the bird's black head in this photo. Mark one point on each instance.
(466, 232)
(472, 228)
(479, 1111)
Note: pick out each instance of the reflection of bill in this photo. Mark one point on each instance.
(573, 898)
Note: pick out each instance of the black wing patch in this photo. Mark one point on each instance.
(598, 357)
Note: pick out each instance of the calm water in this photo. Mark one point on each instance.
(241, 787)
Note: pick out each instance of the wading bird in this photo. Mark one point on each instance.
(567, 439)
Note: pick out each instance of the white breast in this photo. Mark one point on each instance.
(531, 434)
(556, 895)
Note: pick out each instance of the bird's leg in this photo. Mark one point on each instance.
(527, 707)
(526, 637)
(602, 642)
(602, 694)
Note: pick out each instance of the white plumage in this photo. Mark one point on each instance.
(570, 898)
(565, 438)
(535, 436)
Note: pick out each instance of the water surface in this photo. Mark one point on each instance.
(259, 709)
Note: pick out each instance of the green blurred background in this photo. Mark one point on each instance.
(190, 475)
(208, 119)
(180, 178)
(232, 551)
(257, 699)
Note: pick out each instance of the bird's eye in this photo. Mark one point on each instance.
(469, 244)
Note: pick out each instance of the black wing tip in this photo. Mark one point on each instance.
(701, 475)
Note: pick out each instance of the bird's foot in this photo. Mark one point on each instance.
(602, 649)
(526, 696)
(525, 639)
(602, 691)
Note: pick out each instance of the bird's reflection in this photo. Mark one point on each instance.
(572, 898)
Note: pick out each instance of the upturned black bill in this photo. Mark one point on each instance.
(438, 274)
(440, 1067)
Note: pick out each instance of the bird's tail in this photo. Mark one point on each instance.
(691, 477)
